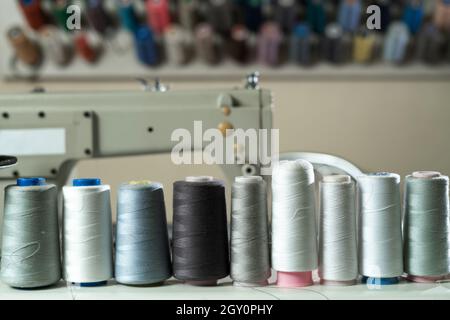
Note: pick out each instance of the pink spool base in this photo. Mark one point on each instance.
(294, 279)
(425, 279)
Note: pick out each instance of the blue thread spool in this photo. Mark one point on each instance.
(301, 44)
(253, 14)
(127, 15)
(315, 15)
(350, 15)
(88, 183)
(396, 43)
(146, 46)
(413, 15)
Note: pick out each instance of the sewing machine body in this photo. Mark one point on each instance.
(80, 126)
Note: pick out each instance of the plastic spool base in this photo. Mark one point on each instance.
(425, 279)
(294, 279)
(202, 283)
(143, 285)
(241, 284)
(334, 283)
(90, 284)
(380, 281)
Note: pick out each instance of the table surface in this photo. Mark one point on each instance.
(175, 290)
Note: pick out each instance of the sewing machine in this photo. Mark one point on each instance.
(50, 132)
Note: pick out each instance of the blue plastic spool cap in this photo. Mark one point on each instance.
(31, 182)
(379, 281)
(91, 182)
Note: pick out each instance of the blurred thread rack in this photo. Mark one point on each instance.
(336, 47)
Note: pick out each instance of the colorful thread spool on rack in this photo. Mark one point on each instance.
(33, 13)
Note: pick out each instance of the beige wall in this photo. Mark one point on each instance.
(390, 126)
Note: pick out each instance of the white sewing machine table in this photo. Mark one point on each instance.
(175, 290)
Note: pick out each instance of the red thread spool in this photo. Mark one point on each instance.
(33, 13)
(158, 15)
(85, 49)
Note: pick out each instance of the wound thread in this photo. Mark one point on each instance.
(426, 226)
(87, 233)
(338, 258)
(250, 260)
(294, 238)
(30, 246)
(200, 240)
(380, 238)
(142, 239)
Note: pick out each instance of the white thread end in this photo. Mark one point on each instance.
(337, 179)
(295, 165)
(381, 175)
(250, 179)
(199, 179)
(426, 174)
(140, 183)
